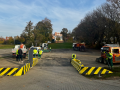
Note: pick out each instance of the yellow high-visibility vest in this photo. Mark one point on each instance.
(34, 51)
(17, 52)
(40, 52)
(109, 55)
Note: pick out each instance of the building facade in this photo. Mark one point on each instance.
(57, 34)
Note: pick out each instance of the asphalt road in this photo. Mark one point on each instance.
(54, 72)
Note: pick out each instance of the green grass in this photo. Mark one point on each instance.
(115, 70)
(4, 57)
(60, 45)
(2, 46)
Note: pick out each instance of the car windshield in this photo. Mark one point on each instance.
(34, 48)
(104, 49)
(17, 46)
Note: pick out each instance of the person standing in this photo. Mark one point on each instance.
(34, 52)
(17, 55)
(20, 54)
(109, 59)
(50, 49)
(39, 53)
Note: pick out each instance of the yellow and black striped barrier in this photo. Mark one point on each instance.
(26, 68)
(88, 70)
(17, 71)
(35, 61)
(8, 71)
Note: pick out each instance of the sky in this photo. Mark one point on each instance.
(14, 14)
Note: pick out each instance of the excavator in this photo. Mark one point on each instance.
(79, 46)
(114, 49)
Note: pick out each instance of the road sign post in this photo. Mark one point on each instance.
(31, 57)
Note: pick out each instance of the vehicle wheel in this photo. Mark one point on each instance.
(24, 56)
(73, 48)
(101, 60)
(104, 61)
(70, 60)
(97, 59)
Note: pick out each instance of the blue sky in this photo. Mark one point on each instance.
(63, 13)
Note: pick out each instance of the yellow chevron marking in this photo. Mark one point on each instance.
(96, 72)
(19, 73)
(28, 67)
(1, 69)
(82, 70)
(104, 71)
(4, 71)
(13, 70)
(24, 69)
(89, 72)
(110, 72)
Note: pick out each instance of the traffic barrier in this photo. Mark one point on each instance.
(88, 70)
(25, 68)
(17, 71)
(8, 71)
(35, 61)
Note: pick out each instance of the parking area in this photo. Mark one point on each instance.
(61, 57)
(54, 72)
(6, 59)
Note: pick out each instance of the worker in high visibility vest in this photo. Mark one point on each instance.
(109, 59)
(50, 49)
(34, 52)
(73, 56)
(40, 53)
(17, 55)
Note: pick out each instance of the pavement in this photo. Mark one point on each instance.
(6, 59)
(55, 75)
(5, 52)
(54, 72)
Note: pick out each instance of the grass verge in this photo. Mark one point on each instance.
(60, 45)
(114, 75)
(5, 57)
(2, 46)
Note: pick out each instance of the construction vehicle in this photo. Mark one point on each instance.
(79, 46)
(22, 47)
(114, 49)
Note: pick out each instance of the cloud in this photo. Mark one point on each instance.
(15, 13)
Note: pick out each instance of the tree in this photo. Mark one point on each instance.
(37, 34)
(11, 40)
(64, 33)
(44, 28)
(57, 38)
(24, 35)
(21, 39)
(1, 40)
(28, 32)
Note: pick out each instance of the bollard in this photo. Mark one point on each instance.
(99, 75)
(31, 56)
